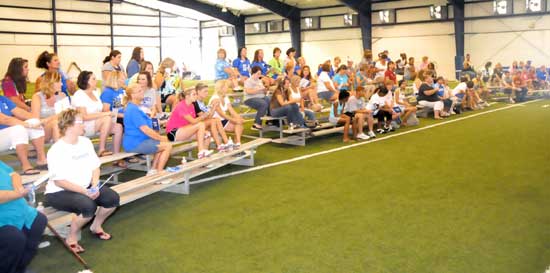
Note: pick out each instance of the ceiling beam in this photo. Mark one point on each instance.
(209, 10)
(279, 8)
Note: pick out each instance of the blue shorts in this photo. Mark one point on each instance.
(148, 146)
(325, 95)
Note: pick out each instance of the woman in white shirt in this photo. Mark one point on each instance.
(86, 100)
(294, 93)
(325, 86)
(74, 167)
(231, 120)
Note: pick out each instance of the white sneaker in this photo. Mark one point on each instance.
(152, 172)
(205, 153)
(486, 104)
(222, 148)
(453, 113)
(230, 145)
(362, 136)
(236, 146)
(512, 101)
(371, 134)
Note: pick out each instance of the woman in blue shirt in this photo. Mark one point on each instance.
(341, 79)
(134, 65)
(225, 71)
(112, 97)
(21, 226)
(242, 64)
(139, 136)
(259, 61)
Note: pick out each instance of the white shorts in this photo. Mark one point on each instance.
(436, 105)
(89, 128)
(16, 135)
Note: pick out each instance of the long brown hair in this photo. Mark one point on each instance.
(136, 54)
(15, 72)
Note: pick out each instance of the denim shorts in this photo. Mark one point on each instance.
(148, 146)
(325, 95)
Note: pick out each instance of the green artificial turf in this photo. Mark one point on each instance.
(470, 196)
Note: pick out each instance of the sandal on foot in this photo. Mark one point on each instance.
(133, 159)
(31, 171)
(101, 235)
(104, 153)
(42, 167)
(76, 248)
(121, 164)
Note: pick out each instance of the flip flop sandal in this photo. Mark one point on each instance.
(31, 171)
(43, 167)
(132, 159)
(104, 153)
(76, 248)
(121, 164)
(99, 235)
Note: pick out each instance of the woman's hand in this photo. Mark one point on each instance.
(22, 191)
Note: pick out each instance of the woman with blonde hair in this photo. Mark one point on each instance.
(168, 82)
(231, 120)
(47, 101)
(139, 135)
(112, 98)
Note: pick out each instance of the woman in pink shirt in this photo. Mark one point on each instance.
(184, 124)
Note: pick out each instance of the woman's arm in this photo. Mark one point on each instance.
(19, 103)
(152, 133)
(17, 192)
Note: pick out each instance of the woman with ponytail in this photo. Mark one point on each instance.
(50, 62)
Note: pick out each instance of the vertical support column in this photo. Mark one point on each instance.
(296, 34)
(200, 40)
(239, 34)
(160, 35)
(111, 24)
(365, 22)
(458, 11)
(54, 26)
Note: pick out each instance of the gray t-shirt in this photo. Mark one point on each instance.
(109, 67)
(354, 104)
(251, 83)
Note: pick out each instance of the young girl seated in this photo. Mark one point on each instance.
(381, 105)
(282, 105)
(184, 124)
(212, 123)
(230, 119)
(338, 116)
(356, 104)
(402, 103)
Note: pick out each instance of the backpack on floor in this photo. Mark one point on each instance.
(412, 120)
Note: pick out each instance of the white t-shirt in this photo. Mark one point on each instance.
(81, 99)
(324, 77)
(354, 104)
(384, 67)
(460, 88)
(224, 107)
(380, 101)
(74, 163)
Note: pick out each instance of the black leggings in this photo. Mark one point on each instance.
(82, 204)
(381, 115)
(18, 247)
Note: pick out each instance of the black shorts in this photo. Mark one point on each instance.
(81, 204)
(224, 122)
(172, 135)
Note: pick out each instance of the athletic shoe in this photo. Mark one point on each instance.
(486, 104)
(453, 113)
(380, 131)
(152, 172)
(205, 153)
(236, 146)
(512, 101)
(362, 136)
(222, 148)
(389, 129)
(371, 134)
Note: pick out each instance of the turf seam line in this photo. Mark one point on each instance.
(290, 160)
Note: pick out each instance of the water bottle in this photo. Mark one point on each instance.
(31, 196)
(40, 207)
(183, 161)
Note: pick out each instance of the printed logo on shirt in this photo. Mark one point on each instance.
(81, 156)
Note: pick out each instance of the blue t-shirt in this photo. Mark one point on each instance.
(7, 106)
(441, 91)
(242, 66)
(113, 98)
(330, 73)
(16, 212)
(132, 68)
(220, 66)
(341, 80)
(133, 119)
(263, 66)
(541, 74)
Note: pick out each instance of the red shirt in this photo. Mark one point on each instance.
(391, 75)
(8, 85)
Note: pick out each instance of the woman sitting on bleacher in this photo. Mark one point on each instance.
(308, 88)
(283, 105)
(111, 63)
(294, 93)
(338, 116)
(21, 226)
(341, 79)
(427, 96)
(230, 119)
(151, 98)
(255, 97)
(259, 61)
(87, 101)
(145, 66)
(381, 105)
(276, 64)
(14, 83)
(212, 123)
(73, 187)
(325, 86)
(224, 71)
(139, 136)
(185, 125)
(402, 103)
(168, 82)
(17, 126)
(47, 101)
(50, 62)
